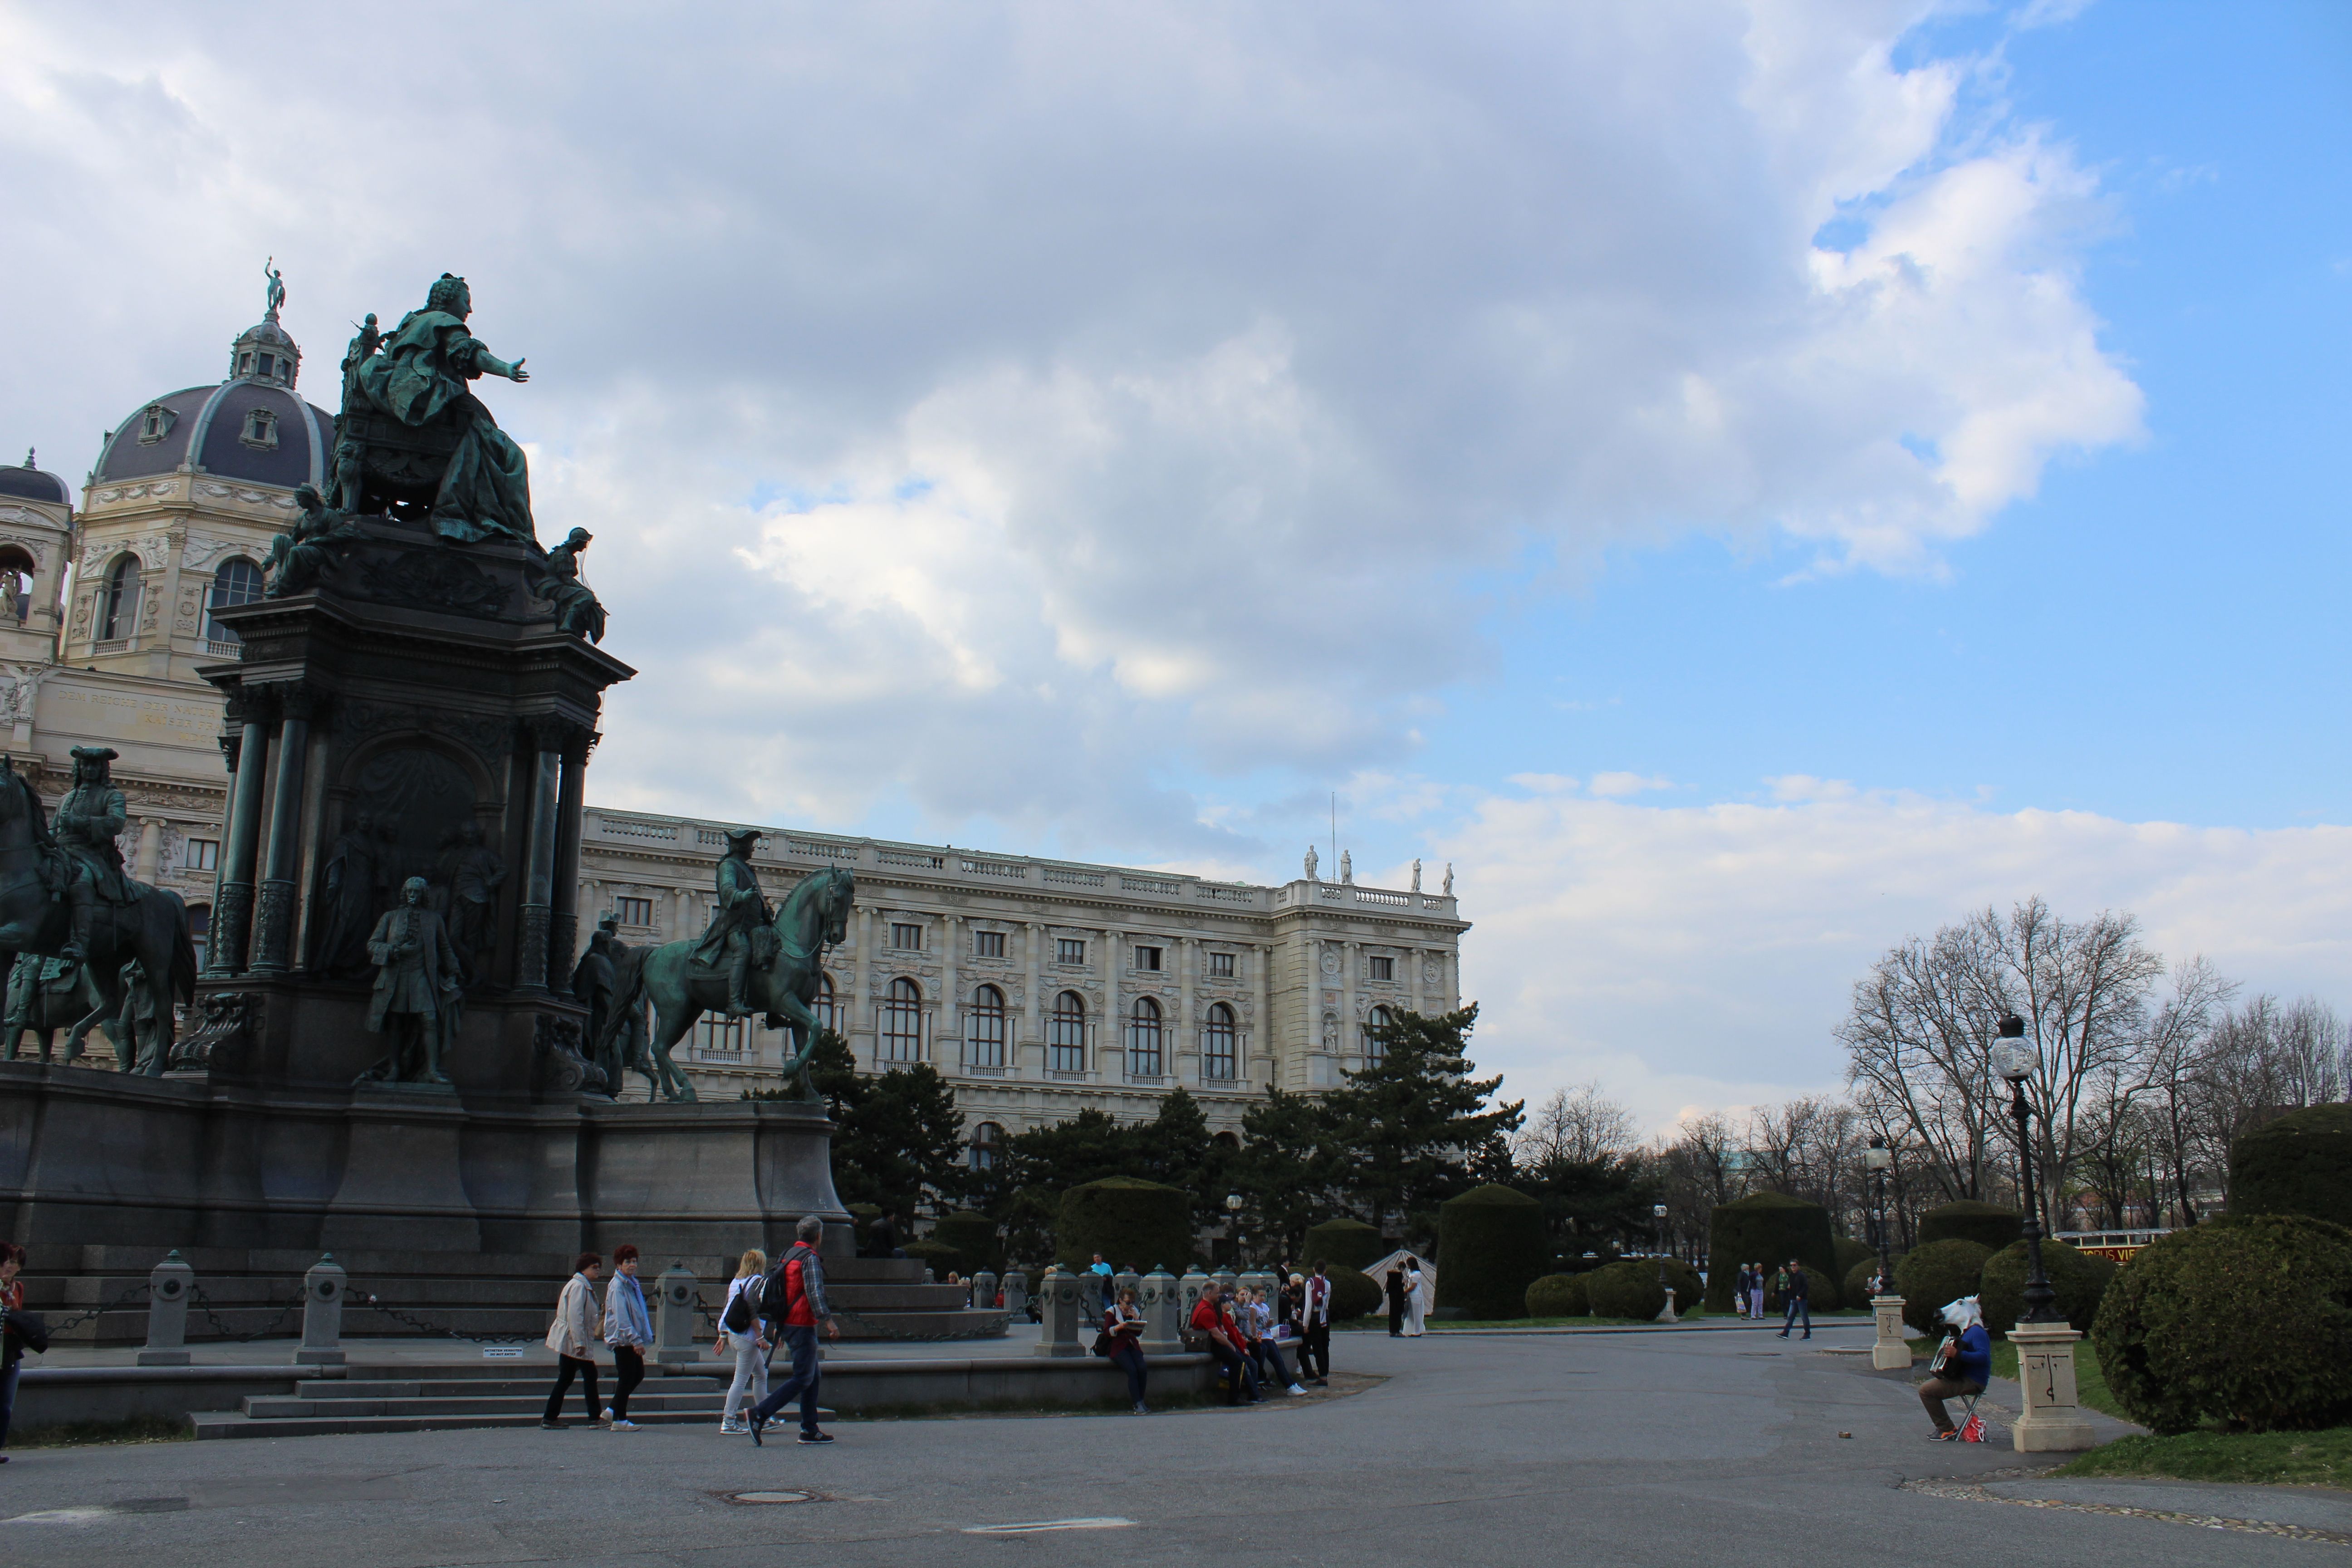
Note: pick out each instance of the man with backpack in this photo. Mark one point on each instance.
(793, 1298)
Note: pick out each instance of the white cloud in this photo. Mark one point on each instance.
(1618, 785)
(1699, 956)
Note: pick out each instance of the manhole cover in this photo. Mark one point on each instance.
(772, 1497)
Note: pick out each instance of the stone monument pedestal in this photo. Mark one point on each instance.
(1890, 1351)
(2052, 1422)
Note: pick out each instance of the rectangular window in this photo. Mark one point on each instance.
(907, 938)
(1069, 949)
(1221, 966)
(719, 1039)
(1147, 958)
(203, 853)
(988, 944)
(634, 912)
(1384, 969)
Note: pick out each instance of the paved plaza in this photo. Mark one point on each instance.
(1471, 1449)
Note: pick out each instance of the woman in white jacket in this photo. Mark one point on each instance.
(573, 1337)
(750, 1347)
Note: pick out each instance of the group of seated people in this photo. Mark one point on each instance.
(1240, 1327)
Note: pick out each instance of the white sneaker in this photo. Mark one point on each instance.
(624, 1424)
(1297, 1388)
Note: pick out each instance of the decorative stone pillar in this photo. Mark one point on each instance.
(1413, 960)
(1126, 1279)
(949, 1035)
(1188, 1294)
(247, 754)
(676, 1295)
(564, 914)
(274, 926)
(1016, 1295)
(1113, 1023)
(1257, 1042)
(1188, 1038)
(1225, 1278)
(546, 768)
(1059, 1335)
(1163, 1313)
(1890, 1351)
(1352, 1027)
(2052, 1422)
(323, 1288)
(169, 1285)
(1034, 1011)
(151, 848)
(861, 990)
(984, 1290)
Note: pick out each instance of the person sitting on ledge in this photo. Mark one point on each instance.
(1960, 1367)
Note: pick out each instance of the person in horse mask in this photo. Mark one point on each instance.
(88, 821)
(739, 922)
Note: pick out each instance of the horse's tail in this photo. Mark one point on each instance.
(182, 984)
(628, 993)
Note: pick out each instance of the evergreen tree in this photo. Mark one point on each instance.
(1408, 1122)
(897, 1139)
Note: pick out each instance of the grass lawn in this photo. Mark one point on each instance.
(2302, 1459)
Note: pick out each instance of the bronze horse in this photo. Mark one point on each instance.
(152, 931)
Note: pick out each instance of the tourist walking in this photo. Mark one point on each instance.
(793, 1298)
(1124, 1323)
(1395, 1290)
(573, 1337)
(747, 1344)
(1795, 1300)
(1756, 1291)
(628, 1329)
(1961, 1365)
(1315, 1328)
(1739, 1293)
(1415, 1299)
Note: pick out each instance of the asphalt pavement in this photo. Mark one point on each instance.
(1666, 1448)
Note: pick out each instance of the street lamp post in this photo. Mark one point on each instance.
(1878, 1158)
(2013, 1059)
(1658, 1215)
(1233, 1222)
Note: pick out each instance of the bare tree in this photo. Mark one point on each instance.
(1918, 1044)
(1576, 1126)
(2171, 1058)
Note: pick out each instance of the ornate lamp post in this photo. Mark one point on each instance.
(1232, 1219)
(1658, 1218)
(1878, 1158)
(2013, 1059)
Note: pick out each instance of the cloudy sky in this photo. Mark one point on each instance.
(1743, 482)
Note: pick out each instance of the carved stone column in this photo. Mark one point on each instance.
(546, 767)
(274, 926)
(247, 753)
(563, 916)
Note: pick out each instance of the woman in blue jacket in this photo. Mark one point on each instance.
(1963, 1364)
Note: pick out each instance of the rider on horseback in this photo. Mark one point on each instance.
(740, 922)
(87, 823)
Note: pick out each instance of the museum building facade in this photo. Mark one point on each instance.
(1036, 986)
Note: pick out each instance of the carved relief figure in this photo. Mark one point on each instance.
(475, 876)
(417, 979)
(577, 610)
(356, 888)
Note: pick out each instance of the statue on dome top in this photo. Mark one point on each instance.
(277, 287)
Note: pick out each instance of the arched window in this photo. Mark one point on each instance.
(118, 602)
(1375, 1047)
(1143, 1039)
(902, 1022)
(238, 582)
(1217, 1053)
(16, 584)
(983, 1031)
(1066, 1034)
(823, 1006)
(987, 1146)
(1227, 1141)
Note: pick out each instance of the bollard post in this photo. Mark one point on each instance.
(1060, 1334)
(2053, 1421)
(676, 1294)
(1189, 1292)
(1126, 1279)
(1163, 1313)
(324, 1289)
(1226, 1278)
(169, 1287)
(1016, 1295)
(984, 1290)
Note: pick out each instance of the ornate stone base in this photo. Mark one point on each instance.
(2053, 1422)
(1890, 1351)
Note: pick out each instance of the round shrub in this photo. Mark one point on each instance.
(1348, 1241)
(973, 1236)
(1131, 1223)
(1690, 1290)
(1846, 1253)
(1764, 1227)
(1354, 1293)
(1625, 1289)
(1558, 1296)
(2301, 1163)
(1855, 1289)
(2243, 1320)
(2081, 1280)
(1930, 1278)
(1491, 1245)
(1990, 1226)
(941, 1258)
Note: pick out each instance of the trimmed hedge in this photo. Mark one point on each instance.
(2081, 1280)
(1850, 1252)
(1133, 1224)
(2243, 1320)
(973, 1236)
(1491, 1245)
(1769, 1228)
(1932, 1276)
(1558, 1296)
(1625, 1289)
(2301, 1163)
(941, 1257)
(1354, 1293)
(1348, 1241)
(1990, 1226)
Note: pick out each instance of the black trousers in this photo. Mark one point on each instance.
(568, 1367)
(1314, 1355)
(1396, 1320)
(1128, 1356)
(628, 1370)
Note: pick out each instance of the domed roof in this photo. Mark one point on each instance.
(32, 484)
(287, 445)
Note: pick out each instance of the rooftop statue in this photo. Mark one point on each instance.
(411, 431)
(277, 287)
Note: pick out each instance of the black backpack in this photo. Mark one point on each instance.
(743, 1310)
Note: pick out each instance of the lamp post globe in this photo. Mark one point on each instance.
(2015, 1060)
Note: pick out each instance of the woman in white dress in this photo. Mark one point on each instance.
(1415, 1306)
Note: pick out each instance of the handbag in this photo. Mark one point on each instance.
(1102, 1343)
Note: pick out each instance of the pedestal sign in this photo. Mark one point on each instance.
(1891, 1351)
(2053, 1421)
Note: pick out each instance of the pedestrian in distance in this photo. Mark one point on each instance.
(1123, 1322)
(573, 1337)
(792, 1299)
(745, 1342)
(1395, 1290)
(628, 1329)
(1314, 1327)
(1795, 1293)
(1756, 1291)
(1099, 1276)
(1739, 1292)
(1960, 1366)
(12, 1342)
(1415, 1298)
